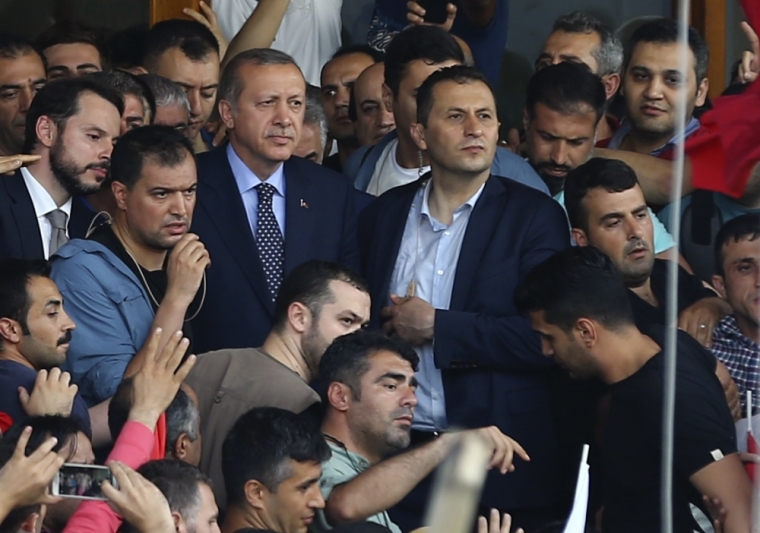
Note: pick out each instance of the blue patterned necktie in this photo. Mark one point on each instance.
(269, 239)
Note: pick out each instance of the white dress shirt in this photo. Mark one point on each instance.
(44, 204)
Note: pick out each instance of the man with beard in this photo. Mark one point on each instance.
(564, 105)
(22, 74)
(338, 76)
(318, 302)
(606, 208)
(71, 125)
(442, 256)
(35, 333)
(369, 402)
(140, 272)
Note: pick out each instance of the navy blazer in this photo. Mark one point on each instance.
(19, 229)
(320, 224)
(490, 359)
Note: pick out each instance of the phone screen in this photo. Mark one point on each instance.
(81, 481)
(435, 10)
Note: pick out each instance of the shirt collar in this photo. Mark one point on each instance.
(425, 207)
(617, 139)
(728, 327)
(246, 179)
(41, 200)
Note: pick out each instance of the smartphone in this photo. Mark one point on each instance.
(435, 10)
(81, 481)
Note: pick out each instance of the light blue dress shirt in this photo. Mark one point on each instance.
(428, 255)
(246, 181)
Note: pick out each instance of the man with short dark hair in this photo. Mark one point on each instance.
(188, 492)
(367, 110)
(262, 212)
(442, 255)
(582, 38)
(139, 106)
(369, 394)
(318, 302)
(72, 50)
(186, 52)
(272, 465)
(72, 126)
(22, 74)
(337, 77)
(593, 334)
(564, 106)
(606, 208)
(35, 333)
(736, 338)
(141, 271)
(396, 160)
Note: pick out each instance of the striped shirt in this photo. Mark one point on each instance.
(741, 355)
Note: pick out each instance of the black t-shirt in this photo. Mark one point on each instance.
(690, 289)
(632, 444)
(157, 281)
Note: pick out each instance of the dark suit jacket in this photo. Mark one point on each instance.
(491, 363)
(19, 230)
(320, 224)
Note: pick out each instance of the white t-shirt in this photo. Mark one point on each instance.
(389, 174)
(310, 30)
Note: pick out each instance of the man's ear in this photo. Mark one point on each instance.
(418, 135)
(702, 89)
(719, 282)
(227, 114)
(586, 331)
(387, 98)
(255, 493)
(579, 236)
(119, 191)
(299, 317)
(10, 330)
(339, 396)
(30, 523)
(181, 447)
(46, 131)
(611, 84)
(179, 523)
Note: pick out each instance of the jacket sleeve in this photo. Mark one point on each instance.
(133, 448)
(503, 341)
(349, 246)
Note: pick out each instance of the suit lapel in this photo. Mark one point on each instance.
(299, 214)
(225, 209)
(483, 220)
(22, 209)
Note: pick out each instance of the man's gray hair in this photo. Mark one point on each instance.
(609, 55)
(165, 91)
(182, 416)
(315, 112)
(231, 85)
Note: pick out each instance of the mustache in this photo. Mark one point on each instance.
(66, 338)
(402, 411)
(539, 166)
(290, 133)
(103, 165)
(638, 243)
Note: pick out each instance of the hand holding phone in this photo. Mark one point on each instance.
(438, 12)
(81, 481)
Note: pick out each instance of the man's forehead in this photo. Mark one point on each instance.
(659, 56)
(27, 63)
(600, 200)
(41, 290)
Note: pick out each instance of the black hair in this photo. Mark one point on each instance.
(566, 88)
(609, 55)
(178, 482)
(60, 100)
(742, 227)
(665, 31)
(14, 46)
(194, 39)
(309, 284)
(260, 446)
(458, 74)
(366, 49)
(429, 43)
(128, 47)
(15, 276)
(580, 282)
(70, 32)
(609, 174)
(129, 84)
(161, 145)
(347, 359)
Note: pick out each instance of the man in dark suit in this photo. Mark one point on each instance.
(71, 125)
(443, 256)
(260, 211)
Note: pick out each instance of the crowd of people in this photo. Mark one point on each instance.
(271, 281)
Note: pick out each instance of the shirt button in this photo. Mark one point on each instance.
(440, 272)
(447, 233)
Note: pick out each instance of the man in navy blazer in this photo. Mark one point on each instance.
(309, 210)
(443, 257)
(71, 125)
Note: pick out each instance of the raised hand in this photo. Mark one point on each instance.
(25, 480)
(138, 501)
(53, 394)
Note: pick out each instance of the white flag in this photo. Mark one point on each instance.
(576, 523)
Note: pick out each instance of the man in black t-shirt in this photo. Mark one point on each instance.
(592, 334)
(607, 209)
